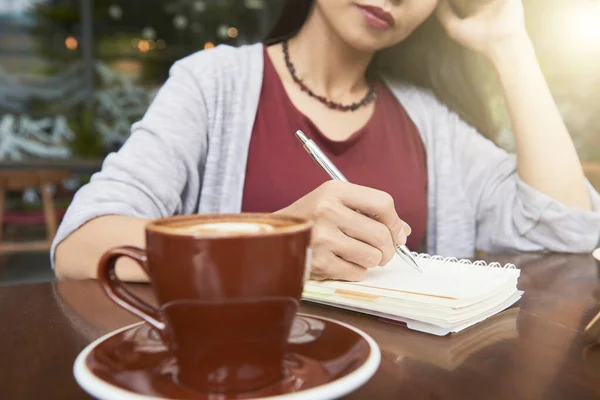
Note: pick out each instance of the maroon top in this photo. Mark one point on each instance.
(386, 154)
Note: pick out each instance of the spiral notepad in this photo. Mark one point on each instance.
(449, 296)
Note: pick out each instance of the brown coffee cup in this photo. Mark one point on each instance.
(227, 288)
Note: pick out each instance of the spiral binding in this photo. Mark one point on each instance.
(463, 261)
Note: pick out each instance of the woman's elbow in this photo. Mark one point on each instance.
(70, 261)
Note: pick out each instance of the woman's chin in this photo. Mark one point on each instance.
(365, 42)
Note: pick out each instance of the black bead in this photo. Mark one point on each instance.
(369, 97)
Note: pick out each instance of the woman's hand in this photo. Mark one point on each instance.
(345, 243)
(496, 29)
(488, 26)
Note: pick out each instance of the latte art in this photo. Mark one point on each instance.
(228, 227)
(206, 226)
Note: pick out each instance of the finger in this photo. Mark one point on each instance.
(327, 265)
(367, 231)
(356, 251)
(376, 204)
(328, 236)
(451, 22)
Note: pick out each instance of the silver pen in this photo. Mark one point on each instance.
(321, 159)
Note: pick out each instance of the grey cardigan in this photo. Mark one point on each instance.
(188, 155)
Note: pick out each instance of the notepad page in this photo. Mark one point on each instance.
(439, 278)
(425, 325)
(419, 311)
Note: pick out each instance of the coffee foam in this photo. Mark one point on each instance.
(221, 228)
(229, 227)
(241, 224)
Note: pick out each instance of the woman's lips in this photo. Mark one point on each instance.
(377, 17)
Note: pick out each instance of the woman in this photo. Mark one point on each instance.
(219, 137)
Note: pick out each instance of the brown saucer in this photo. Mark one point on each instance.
(325, 359)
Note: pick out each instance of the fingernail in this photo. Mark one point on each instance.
(407, 230)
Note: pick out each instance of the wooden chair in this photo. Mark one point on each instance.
(19, 180)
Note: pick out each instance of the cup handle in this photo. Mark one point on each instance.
(117, 292)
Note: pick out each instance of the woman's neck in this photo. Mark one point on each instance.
(331, 67)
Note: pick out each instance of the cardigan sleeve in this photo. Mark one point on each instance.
(512, 215)
(156, 169)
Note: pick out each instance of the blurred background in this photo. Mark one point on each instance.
(75, 74)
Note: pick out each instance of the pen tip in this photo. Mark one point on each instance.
(300, 135)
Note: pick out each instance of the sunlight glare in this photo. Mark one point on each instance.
(583, 27)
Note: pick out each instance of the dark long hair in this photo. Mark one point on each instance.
(428, 58)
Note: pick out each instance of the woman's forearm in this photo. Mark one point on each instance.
(547, 158)
(77, 256)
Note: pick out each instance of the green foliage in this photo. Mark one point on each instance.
(114, 40)
(87, 142)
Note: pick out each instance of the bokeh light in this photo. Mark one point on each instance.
(232, 32)
(144, 46)
(71, 43)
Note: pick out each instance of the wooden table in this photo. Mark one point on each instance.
(534, 351)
